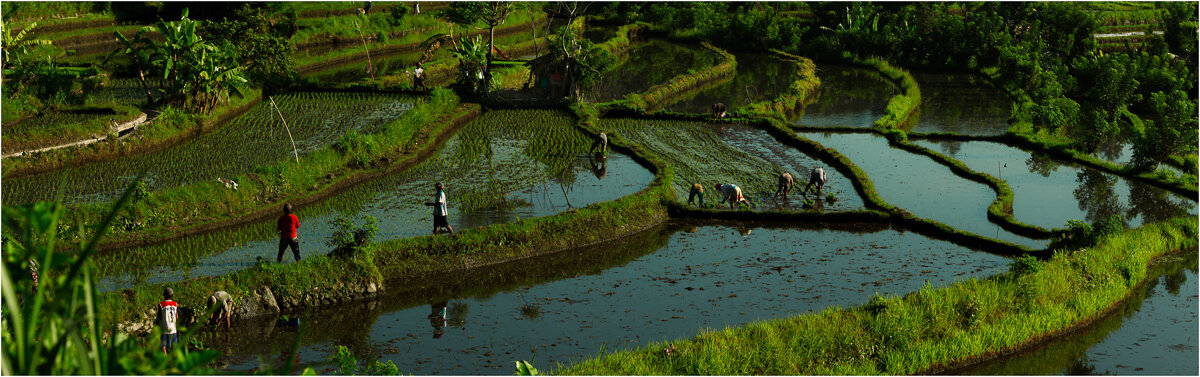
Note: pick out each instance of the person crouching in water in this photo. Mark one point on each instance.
(602, 143)
(785, 184)
(818, 177)
(718, 110)
(439, 210)
(733, 195)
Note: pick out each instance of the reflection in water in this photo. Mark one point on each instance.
(647, 64)
(437, 318)
(759, 77)
(960, 103)
(848, 97)
(660, 285)
(1047, 192)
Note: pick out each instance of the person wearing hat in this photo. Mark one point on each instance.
(439, 210)
(168, 313)
(287, 225)
(733, 195)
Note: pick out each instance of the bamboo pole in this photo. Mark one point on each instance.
(370, 67)
(285, 126)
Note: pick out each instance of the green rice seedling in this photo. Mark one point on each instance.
(831, 197)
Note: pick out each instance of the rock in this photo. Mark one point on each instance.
(371, 288)
(257, 303)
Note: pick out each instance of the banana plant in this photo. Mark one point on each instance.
(15, 45)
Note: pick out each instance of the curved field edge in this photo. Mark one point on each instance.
(156, 135)
(927, 331)
(329, 280)
(900, 109)
(801, 91)
(672, 90)
(209, 205)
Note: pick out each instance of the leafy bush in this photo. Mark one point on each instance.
(357, 148)
(348, 366)
(1026, 265)
(349, 239)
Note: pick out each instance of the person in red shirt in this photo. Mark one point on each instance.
(287, 225)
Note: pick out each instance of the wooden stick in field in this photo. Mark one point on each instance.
(368, 50)
(285, 126)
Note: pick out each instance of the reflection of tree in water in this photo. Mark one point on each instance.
(1080, 367)
(1097, 195)
(1041, 164)
(951, 147)
(1111, 148)
(1175, 280)
(1154, 204)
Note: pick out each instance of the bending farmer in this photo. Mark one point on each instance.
(287, 225)
(817, 177)
(439, 210)
(224, 308)
(733, 195)
(601, 142)
(785, 184)
(697, 191)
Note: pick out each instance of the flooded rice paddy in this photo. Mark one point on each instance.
(759, 77)
(847, 97)
(255, 138)
(921, 185)
(505, 166)
(661, 285)
(960, 103)
(1047, 192)
(650, 63)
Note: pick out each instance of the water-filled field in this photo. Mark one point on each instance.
(960, 103)
(659, 286)
(1048, 192)
(650, 63)
(257, 137)
(848, 97)
(759, 77)
(921, 185)
(505, 166)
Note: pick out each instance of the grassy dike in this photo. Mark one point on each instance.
(926, 331)
(170, 129)
(205, 206)
(802, 91)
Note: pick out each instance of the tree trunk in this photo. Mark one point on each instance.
(142, 78)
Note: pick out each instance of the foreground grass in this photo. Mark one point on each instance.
(926, 331)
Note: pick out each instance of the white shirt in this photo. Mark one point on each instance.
(440, 208)
(729, 189)
(818, 173)
(419, 72)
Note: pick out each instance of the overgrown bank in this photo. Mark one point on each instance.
(926, 331)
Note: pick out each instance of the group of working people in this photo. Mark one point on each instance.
(732, 194)
(220, 307)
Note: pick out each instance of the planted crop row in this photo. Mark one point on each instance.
(65, 125)
(258, 137)
(170, 128)
(698, 155)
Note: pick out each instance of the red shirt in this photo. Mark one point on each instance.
(287, 225)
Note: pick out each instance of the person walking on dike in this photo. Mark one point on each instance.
(439, 210)
(168, 313)
(732, 194)
(785, 184)
(223, 303)
(696, 191)
(419, 78)
(601, 142)
(818, 177)
(287, 225)
(718, 109)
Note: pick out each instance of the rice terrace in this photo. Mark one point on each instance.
(600, 188)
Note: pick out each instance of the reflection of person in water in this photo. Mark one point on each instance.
(599, 166)
(437, 318)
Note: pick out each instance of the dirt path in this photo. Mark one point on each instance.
(122, 131)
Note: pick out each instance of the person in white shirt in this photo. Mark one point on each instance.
(419, 78)
(439, 210)
(168, 313)
(817, 177)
